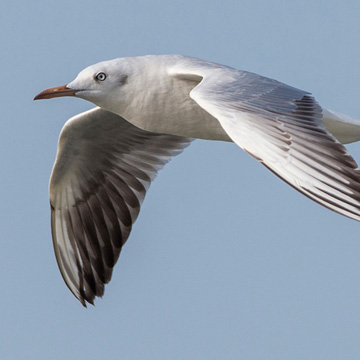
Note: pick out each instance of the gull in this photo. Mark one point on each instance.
(149, 109)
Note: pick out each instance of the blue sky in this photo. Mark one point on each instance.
(225, 261)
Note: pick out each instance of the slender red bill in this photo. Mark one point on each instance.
(56, 91)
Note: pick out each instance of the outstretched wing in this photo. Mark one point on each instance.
(104, 166)
(281, 127)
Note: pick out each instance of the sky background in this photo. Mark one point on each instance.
(225, 260)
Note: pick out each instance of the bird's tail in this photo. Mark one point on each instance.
(343, 127)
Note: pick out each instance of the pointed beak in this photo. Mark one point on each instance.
(56, 91)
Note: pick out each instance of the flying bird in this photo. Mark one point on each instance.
(149, 109)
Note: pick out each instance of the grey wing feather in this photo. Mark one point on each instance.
(103, 169)
(282, 127)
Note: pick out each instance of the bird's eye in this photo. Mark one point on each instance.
(100, 76)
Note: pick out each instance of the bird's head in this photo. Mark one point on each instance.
(103, 84)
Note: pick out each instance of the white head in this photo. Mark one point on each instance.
(104, 82)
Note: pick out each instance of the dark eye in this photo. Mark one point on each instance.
(100, 76)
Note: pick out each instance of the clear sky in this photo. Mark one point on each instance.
(225, 261)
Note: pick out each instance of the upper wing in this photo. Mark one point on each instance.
(104, 166)
(282, 127)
